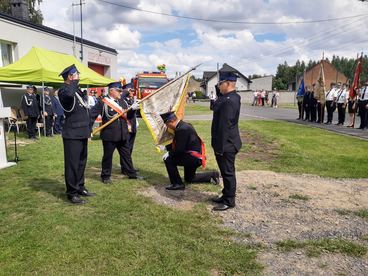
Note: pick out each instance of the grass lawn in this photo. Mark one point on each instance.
(121, 232)
(194, 109)
(118, 232)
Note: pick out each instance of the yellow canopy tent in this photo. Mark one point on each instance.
(42, 67)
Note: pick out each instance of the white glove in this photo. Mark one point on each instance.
(135, 105)
(165, 156)
(161, 147)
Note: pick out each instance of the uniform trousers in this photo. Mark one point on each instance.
(307, 112)
(300, 109)
(363, 113)
(320, 112)
(75, 159)
(190, 164)
(131, 139)
(313, 111)
(126, 162)
(31, 127)
(226, 163)
(49, 121)
(58, 124)
(341, 110)
(330, 110)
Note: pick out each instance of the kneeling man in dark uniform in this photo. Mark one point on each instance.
(186, 150)
(115, 135)
(75, 134)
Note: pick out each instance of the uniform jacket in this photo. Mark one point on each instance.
(185, 139)
(225, 129)
(48, 105)
(77, 119)
(30, 105)
(132, 114)
(116, 131)
(56, 107)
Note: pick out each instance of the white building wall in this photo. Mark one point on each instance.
(262, 83)
(24, 38)
(241, 85)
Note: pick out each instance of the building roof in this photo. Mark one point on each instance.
(55, 32)
(207, 75)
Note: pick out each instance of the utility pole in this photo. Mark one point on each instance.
(73, 29)
(81, 3)
(81, 20)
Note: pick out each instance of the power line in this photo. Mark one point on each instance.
(234, 22)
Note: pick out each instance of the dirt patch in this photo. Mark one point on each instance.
(183, 200)
(257, 148)
(274, 207)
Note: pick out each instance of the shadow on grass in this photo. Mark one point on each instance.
(51, 186)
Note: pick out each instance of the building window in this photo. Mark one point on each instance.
(6, 53)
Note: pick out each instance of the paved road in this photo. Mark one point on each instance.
(249, 112)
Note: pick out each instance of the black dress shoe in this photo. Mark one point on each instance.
(86, 193)
(76, 200)
(217, 199)
(138, 177)
(174, 187)
(222, 207)
(215, 179)
(106, 181)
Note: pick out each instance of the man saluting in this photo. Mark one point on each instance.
(76, 132)
(226, 140)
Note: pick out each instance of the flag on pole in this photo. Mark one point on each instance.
(320, 90)
(301, 89)
(358, 71)
(172, 97)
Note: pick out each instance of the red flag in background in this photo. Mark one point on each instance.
(355, 85)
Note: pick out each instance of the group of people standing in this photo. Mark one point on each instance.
(262, 98)
(80, 110)
(313, 104)
(44, 109)
(186, 149)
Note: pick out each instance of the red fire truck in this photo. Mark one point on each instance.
(147, 82)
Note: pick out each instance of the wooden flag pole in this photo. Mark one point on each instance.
(117, 116)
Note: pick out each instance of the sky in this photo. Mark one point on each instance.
(144, 40)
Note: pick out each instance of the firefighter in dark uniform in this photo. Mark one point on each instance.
(186, 150)
(225, 136)
(306, 104)
(128, 97)
(313, 104)
(115, 135)
(48, 113)
(76, 132)
(30, 107)
(363, 105)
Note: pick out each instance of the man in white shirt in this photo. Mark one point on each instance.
(363, 105)
(341, 100)
(330, 104)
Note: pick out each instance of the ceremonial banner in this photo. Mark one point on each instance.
(301, 89)
(320, 90)
(172, 97)
(355, 86)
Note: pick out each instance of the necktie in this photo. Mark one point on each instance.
(364, 92)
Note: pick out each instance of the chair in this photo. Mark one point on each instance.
(14, 120)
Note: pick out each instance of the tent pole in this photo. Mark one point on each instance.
(43, 109)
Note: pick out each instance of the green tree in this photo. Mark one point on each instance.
(35, 15)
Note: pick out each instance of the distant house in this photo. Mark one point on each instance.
(209, 80)
(263, 83)
(331, 74)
